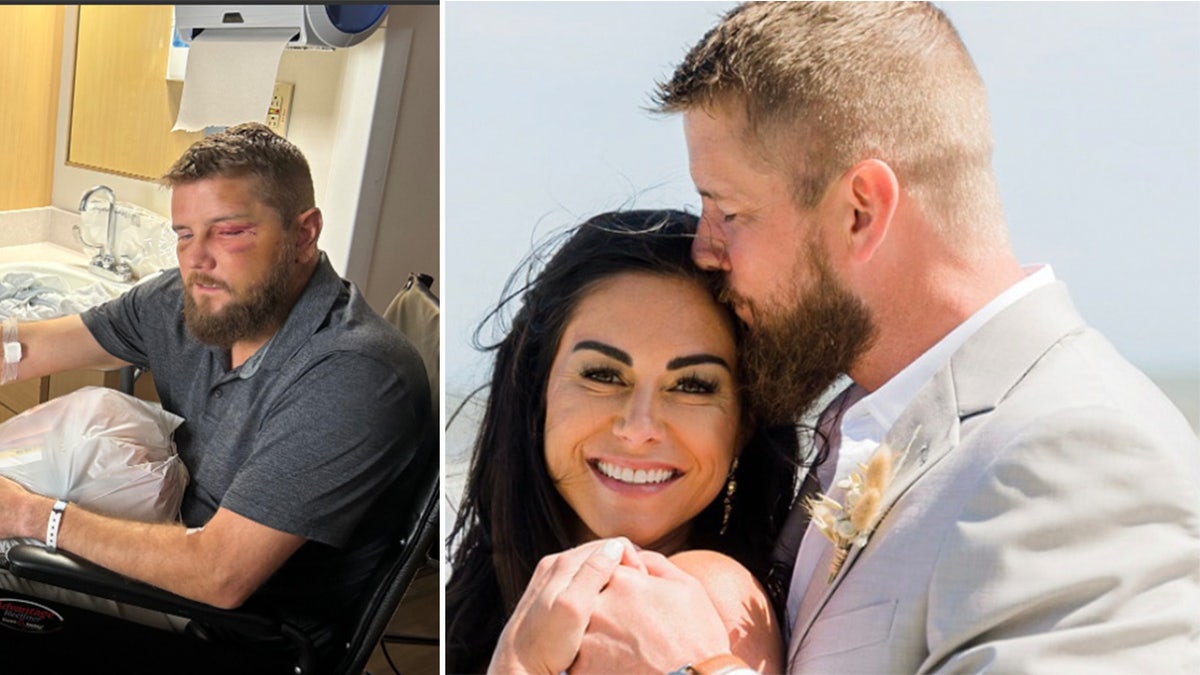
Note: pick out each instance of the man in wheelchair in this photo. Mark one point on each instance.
(305, 412)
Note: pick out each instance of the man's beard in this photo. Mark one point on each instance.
(262, 309)
(792, 355)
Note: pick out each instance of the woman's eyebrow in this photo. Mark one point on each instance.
(696, 359)
(608, 350)
(674, 364)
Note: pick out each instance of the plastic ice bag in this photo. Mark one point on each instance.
(104, 450)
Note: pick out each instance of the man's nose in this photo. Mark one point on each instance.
(708, 248)
(194, 255)
(639, 423)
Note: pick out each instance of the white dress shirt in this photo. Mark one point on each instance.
(858, 427)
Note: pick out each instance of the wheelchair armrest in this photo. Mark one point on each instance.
(71, 572)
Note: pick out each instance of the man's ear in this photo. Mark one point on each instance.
(874, 193)
(308, 230)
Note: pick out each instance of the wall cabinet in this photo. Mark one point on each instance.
(30, 62)
(123, 106)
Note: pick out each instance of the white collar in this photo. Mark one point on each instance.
(872, 416)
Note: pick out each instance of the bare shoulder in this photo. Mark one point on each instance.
(722, 576)
(742, 602)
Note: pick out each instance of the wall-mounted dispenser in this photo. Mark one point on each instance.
(316, 26)
(230, 56)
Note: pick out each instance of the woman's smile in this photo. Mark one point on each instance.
(621, 477)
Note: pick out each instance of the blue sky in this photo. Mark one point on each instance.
(1095, 108)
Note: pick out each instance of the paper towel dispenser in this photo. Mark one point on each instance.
(316, 26)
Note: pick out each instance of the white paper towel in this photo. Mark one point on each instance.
(230, 76)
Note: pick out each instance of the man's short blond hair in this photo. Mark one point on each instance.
(251, 149)
(827, 84)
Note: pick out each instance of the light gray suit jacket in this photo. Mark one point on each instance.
(1046, 519)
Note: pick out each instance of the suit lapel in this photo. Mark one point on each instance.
(977, 378)
(925, 433)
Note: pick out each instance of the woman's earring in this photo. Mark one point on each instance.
(730, 488)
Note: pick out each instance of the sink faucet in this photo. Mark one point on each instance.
(106, 263)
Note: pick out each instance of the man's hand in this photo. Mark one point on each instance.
(543, 634)
(220, 564)
(650, 622)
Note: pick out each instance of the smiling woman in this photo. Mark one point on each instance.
(615, 410)
(642, 410)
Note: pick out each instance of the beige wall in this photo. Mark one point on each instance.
(407, 239)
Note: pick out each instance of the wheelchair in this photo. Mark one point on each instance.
(44, 636)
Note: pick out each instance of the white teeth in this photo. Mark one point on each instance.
(638, 477)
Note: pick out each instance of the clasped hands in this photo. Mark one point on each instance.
(606, 606)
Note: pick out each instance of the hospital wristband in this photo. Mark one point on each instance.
(12, 350)
(56, 513)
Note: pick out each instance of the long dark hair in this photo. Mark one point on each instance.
(511, 514)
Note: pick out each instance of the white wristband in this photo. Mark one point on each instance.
(12, 350)
(56, 513)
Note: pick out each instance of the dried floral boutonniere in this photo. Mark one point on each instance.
(852, 523)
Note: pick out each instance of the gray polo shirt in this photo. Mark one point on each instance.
(310, 436)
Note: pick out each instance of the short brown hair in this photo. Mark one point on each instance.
(827, 84)
(250, 149)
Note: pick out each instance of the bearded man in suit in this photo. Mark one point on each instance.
(1041, 510)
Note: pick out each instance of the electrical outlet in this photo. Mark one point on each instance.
(280, 109)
